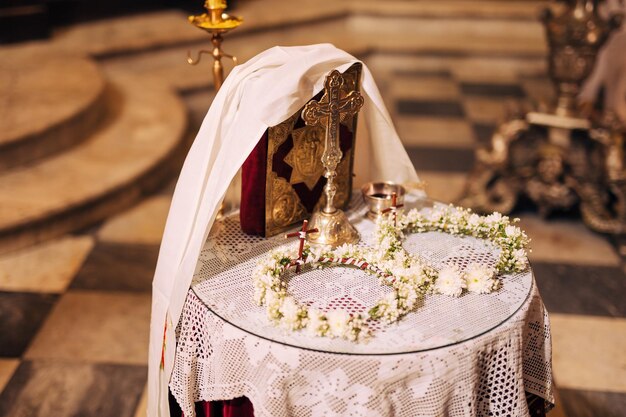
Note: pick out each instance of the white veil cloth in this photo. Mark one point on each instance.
(261, 93)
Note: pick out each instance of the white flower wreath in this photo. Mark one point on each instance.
(496, 228)
(408, 275)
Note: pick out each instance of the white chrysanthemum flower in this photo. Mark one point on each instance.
(390, 302)
(474, 220)
(415, 275)
(347, 250)
(521, 260)
(480, 279)
(435, 215)
(411, 216)
(273, 302)
(357, 329)
(494, 218)
(337, 322)
(268, 279)
(316, 252)
(386, 308)
(407, 297)
(456, 216)
(291, 313)
(386, 243)
(450, 281)
(317, 324)
(512, 231)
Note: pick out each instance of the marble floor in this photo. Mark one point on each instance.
(74, 311)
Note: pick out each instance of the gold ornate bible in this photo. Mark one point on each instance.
(283, 177)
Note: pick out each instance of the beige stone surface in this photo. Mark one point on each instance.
(47, 268)
(558, 410)
(7, 368)
(488, 110)
(444, 8)
(42, 91)
(424, 88)
(170, 66)
(435, 131)
(479, 67)
(387, 66)
(167, 28)
(142, 224)
(171, 27)
(476, 68)
(566, 241)
(147, 130)
(336, 22)
(126, 33)
(142, 407)
(589, 353)
(521, 35)
(443, 186)
(102, 327)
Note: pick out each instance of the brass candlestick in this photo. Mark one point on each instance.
(215, 22)
(334, 228)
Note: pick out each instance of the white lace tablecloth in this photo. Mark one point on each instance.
(470, 356)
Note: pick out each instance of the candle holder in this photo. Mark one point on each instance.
(216, 23)
(575, 37)
(379, 197)
(561, 159)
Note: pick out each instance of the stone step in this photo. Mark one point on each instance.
(47, 104)
(169, 64)
(448, 29)
(166, 29)
(139, 145)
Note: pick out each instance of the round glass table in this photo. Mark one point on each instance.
(451, 355)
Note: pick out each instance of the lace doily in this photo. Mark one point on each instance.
(472, 355)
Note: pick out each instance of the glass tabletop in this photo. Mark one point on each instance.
(223, 282)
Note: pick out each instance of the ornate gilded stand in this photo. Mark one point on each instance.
(565, 157)
(215, 22)
(334, 228)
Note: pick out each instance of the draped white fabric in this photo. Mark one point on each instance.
(260, 93)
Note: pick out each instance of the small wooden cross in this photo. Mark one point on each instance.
(301, 234)
(394, 207)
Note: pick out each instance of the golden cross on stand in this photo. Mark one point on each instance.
(328, 113)
(301, 234)
(394, 207)
(334, 227)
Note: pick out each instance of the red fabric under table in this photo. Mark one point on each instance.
(242, 407)
(239, 407)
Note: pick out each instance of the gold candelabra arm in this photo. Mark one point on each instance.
(217, 53)
(196, 61)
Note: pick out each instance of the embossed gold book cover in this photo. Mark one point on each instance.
(283, 178)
